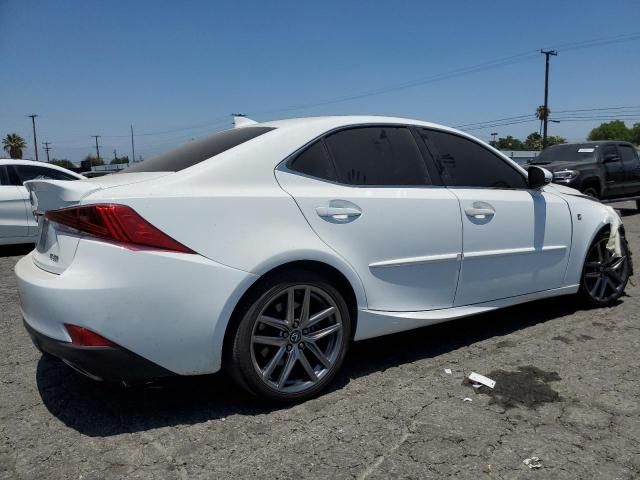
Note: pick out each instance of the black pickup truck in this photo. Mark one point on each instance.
(606, 170)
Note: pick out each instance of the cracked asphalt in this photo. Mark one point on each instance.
(567, 392)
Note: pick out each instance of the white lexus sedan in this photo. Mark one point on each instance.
(17, 223)
(267, 249)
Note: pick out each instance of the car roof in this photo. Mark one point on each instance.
(13, 161)
(337, 121)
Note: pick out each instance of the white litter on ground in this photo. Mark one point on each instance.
(533, 462)
(447, 371)
(467, 399)
(486, 381)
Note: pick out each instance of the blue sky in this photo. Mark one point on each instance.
(95, 67)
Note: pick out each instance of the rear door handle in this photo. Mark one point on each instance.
(479, 212)
(339, 213)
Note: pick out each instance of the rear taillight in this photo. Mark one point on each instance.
(83, 337)
(115, 223)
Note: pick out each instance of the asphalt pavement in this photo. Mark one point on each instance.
(567, 392)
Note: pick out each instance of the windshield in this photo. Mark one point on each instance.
(568, 153)
(198, 151)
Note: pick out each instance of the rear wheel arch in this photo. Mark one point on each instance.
(593, 183)
(333, 276)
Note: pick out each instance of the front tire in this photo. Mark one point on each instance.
(292, 337)
(604, 275)
(591, 192)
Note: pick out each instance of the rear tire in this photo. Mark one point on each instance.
(604, 275)
(291, 340)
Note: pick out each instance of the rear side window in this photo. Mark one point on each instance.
(381, 156)
(4, 178)
(314, 161)
(628, 154)
(31, 172)
(465, 163)
(198, 151)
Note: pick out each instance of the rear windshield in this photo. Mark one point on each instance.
(197, 151)
(568, 153)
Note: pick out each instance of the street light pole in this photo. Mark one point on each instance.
(35, 139)
(97, 147)
(47, 148)
(546, 54)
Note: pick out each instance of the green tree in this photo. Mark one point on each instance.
(555, 140)
(614, 130)
(509, 143)
(94, 161)
(533, 141)
(14, 144)
(634, 134)
(63, 162)
(116, 160)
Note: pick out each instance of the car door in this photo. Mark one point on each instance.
(614, 169)
(631, 165)
(515, 240)
(35, 172)
(368, 195)
(13, 209)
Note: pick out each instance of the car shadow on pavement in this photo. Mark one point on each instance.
(15, 250)
(100, 409)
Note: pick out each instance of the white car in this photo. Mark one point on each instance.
(266, 249)
(17, 223)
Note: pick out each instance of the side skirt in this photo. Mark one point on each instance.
(375, 323)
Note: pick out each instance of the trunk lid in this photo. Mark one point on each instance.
(57, 244)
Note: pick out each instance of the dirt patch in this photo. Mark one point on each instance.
(506, 344)
(562, 339)
(584, 338)
(527, 387)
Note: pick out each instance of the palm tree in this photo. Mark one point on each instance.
(542, 114)
(14, 144)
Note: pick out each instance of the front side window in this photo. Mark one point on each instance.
(465, 163)
(377, 156)
(32, 172)
(4, 178)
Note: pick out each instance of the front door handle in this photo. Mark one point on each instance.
(479, 212)
(338, 213)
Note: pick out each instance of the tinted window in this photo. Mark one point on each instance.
(30, 172)
(465, 163)
(568, 153)
(4, 178)
(314, 161)
(377, 156)
(198, 150)
(628, 154)
(610, 151)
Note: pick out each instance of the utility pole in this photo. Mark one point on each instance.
(47, 148)
(133, 148)
(494, 135)
(97, 147)
(35, 139)
(547, 54)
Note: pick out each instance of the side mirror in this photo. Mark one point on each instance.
(539, 177)
(611, 158)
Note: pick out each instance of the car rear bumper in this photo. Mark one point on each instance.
(99, 363)
(168, 308)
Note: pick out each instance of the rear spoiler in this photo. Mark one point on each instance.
(47, 195)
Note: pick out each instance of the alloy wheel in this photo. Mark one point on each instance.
(605, 274)
(297, 338)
